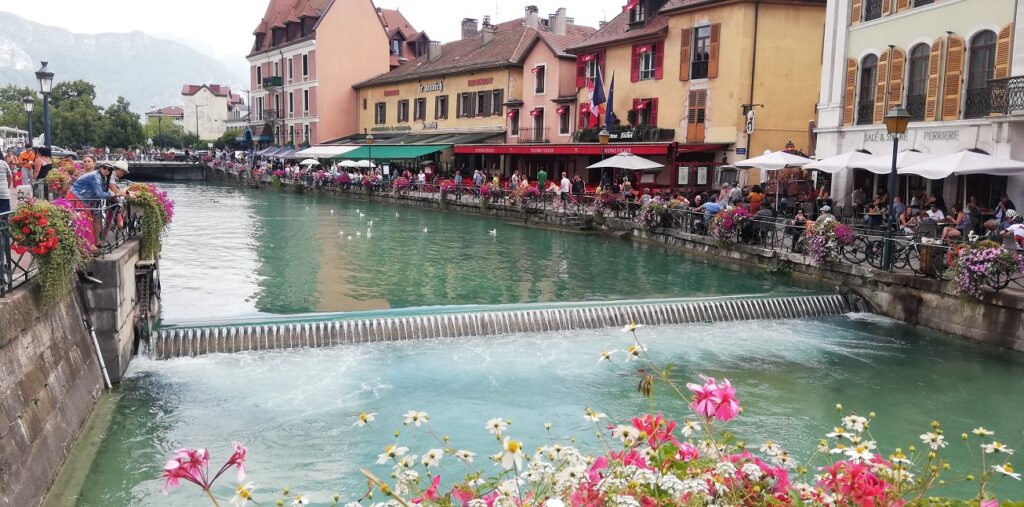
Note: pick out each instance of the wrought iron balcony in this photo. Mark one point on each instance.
(977, 102)
(1006, 96)
(533, 135)
(273, 82)
(865, 112)
(916, 105)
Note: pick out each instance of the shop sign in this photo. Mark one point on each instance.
(882, 136)
(432, 125)
(702, 175)
(684, 175)
(432, 87)
(741, 151)
(391, 93)
(625, 135)
(941, 135)
(481, 81)
(397, 128)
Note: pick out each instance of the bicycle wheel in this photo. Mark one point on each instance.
(874, 253)
(912, 258)
(855, 253)
(998, 281)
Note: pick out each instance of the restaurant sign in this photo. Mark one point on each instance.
(432, 87)
(397, 128)
(925, 135)
(429, 125)
(391, 93)
(481, 81)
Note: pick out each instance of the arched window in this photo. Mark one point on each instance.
(982, 65)
(917, 81)
(866, 92)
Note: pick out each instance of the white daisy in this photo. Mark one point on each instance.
(996, 448)
(606, 356)
(464, 455)
(365, 418)
(391, 452)
(982, 432)
(593, 416)
(432, 458)
(689, 428)
(496, 426)
(934, 440)
(1007, 470)
(416, 418)
(512, 454)
(855, 423)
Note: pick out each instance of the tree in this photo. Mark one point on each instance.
(77, 122)
(164, 133)
(72, 91)
(12, 110)
(229, 140)
(121, 127)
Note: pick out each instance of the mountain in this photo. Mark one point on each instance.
(144, 69)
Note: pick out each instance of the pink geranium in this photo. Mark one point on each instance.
(714, 400)
(431, 492)
(192, 465)
(702, 403)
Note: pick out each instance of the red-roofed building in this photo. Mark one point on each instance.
(300, 99)
(207, 108)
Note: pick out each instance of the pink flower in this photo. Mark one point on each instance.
(236, 460)
(702, 403)
(657, 428)
(594, 474)
(724, 396)
(688, 452)
(992, 502)
(431, 492)
(463, 495)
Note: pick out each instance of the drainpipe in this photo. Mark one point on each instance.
(753, 74)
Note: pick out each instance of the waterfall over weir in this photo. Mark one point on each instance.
(336, 329)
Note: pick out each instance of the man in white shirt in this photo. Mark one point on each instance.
(935, 213)
(563, 189)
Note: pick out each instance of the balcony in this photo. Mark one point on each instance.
(916, 106)
(865, 112)
(977, 102)
(533, 135)
(1006, 96)
(618, 134)
(273, 82)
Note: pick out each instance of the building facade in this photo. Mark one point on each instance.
(951, 63)
(207, 108)
(695, 73)
(305, 60)
(170, 115)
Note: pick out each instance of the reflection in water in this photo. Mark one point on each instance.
(234, 253)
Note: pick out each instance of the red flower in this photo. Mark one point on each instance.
(43, 221)
(26, 230)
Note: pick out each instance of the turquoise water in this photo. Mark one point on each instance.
(295, 409)
(237, 253)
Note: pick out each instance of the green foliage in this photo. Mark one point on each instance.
(72, 91)
(228, 140)
(121, 127)
(164, 133)
(12, 111)
(76, 121)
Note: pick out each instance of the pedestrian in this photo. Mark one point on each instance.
(458, 185)
(542, 177)
(563, 190)
(86, 194)
(6, 185)
(578, 188)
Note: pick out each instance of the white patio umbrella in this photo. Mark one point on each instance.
(962, 163)
(629, 162)
(366, 164)
(839, 162)
(309, 161)
(774, 161)
(349, 163)
(883, 164)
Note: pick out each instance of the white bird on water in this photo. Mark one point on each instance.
(396, 214)
(425, 230)
(493, 232)
(332, 212)
(350, 237)
(358, 234)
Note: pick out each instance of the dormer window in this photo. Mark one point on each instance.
(396, 47)
(638, 14)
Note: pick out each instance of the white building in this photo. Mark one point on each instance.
(949, 63)
(207, 109)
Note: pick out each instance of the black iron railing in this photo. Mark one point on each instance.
(699, 69)
(1006, 96)
(15, 269)
(865, 112)
(534, 135)
(916, 106)
(977, 102)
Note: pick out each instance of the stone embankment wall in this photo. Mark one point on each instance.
(50, 377)
(927, 302)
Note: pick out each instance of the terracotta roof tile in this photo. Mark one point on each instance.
(216, 89)
(394, 21)
(574, 34)
(167, 111)
(618, 29)
(281, 12)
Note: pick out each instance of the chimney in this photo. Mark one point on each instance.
(532, 19)
(600, 24)
(488, 32)
(556, 21)
(433, 50)
(487, 21)
(469, 28)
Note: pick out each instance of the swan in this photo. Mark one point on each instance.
(493, 232)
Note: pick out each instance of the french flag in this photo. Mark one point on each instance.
(597, 98)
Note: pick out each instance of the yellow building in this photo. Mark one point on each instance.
(705, 72)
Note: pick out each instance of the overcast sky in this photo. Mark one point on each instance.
(223, 28)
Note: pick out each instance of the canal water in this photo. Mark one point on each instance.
(252, 253)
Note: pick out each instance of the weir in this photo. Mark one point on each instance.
(336, 329)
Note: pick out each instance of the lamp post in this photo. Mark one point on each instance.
(29, 104)
(896, 122)
(602, 137)
(45, 78)
(369, 149)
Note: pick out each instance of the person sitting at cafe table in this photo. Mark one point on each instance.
(1016, 229)
(876, 210)
(825, 215)
(1003, 205)
(935, 213)
(909, 221)
(956, 224)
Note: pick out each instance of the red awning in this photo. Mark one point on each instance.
(698, 148)
(561, 149)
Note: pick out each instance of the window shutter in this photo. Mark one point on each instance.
(601, 57)
(716, 33)
(899, 61)
(634, 64)
(653, 105)
(582, 114)
(1004, 45)
(487, 104)
(684, 54)
(886, 7)
(902, 5)
(881, 76)
(931, 103)
(691, 117)
(855, 11)
(659, 60)
(952, 86)
(581, 72)
(458, 105)
(850, 97)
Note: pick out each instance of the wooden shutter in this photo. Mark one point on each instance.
(686, 35)
(1004, 46)
(899, 62)
(931, 103)
(458, 105)
(855, 11)
(582, 113)
(886, 7)
(652, 104)
(487, 104)
(716, 34)
(902, 5)
(581, 72)
(881, 78)
(953, 85)
(659, 60)
(634, 63)
(850, 97)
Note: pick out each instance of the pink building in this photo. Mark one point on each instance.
(300, 99)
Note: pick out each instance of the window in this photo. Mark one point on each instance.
(380, 116)
(638, 14)
(696, 116)
(701, 52)
(981, 68)
(917, 81)
(396, 47)
(481, 104)
(919, 3)
(497, 101)
(583, 110)
(513, 116)
(259, 77)
(643, 112)
(403, 111)
(441, 107)
(465, 105)
(290, 70)
(291, 134)
(563, 120)
(866, 92)
(305, 102)
(277, 69)
(291, 104)
(259, 108)
(593, 68)
(538, 79)
(305, 65)
(305, 133)
(364, 104)
(539, 131)
(872, 9)
(420, 109)
(647, 61)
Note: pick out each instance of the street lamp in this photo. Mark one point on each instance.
(602, 137)
(369, 149)
(29, 104)
(896, 122)
(45, 78)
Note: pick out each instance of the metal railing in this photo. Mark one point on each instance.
(865, 112)
(977, 102)
(916, 106)
(15, 269)
(533, 135)
(1006, 95)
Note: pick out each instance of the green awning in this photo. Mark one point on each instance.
(392, 152)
